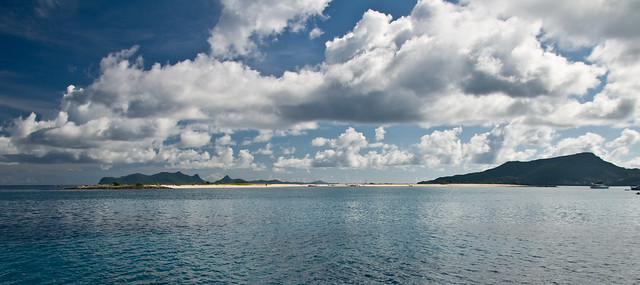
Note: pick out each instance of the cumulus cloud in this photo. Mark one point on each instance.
(627, 138)
(605, 27)
(345, 152)
(573, 23)
(244, 24)
(194, 139)
(352, 150)
(441, 147)
(481, 63)
(444, 62)
(293, 162)
(445, 147)
(613, 151)
(222, 157)
(588, 142)
(380, 133)
(131, 115)
(621, 146)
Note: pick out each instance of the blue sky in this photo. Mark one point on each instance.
(340, 91)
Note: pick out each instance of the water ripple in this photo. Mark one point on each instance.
(338, 235)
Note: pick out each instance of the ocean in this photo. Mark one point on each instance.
(320, 235)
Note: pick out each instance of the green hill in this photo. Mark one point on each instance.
(577, 169)
(160, 178)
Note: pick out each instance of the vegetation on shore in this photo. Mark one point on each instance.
(121, 186)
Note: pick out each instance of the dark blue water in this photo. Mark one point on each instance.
(362, 235)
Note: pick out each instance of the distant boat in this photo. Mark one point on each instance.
(637, 187)
(599, 185)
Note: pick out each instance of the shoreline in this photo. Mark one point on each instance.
(213, 186)
(104, 186)
(283, 185)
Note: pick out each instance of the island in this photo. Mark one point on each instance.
(159, 178)
(142, 181)
(580, 169)
(572, 170)
(168, 180)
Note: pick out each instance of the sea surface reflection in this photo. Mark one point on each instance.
(320, 235)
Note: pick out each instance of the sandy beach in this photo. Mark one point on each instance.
(334, 185)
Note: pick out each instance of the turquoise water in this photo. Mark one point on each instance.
(362, 235)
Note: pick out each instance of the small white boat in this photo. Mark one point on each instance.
(599, 185)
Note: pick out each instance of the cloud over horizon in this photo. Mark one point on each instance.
(489, 64)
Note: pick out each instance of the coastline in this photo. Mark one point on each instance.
(282, 185)
(474, 185)
(212, 186)
(105, 186)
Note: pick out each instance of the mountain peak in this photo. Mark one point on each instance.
(226, 179)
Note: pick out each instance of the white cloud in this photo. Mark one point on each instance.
(622, 59)
(194, 139)
(242, 22)
(441, 147)
(315, 32)
(627, 138)
(223, 158)
(478, 64)
(320, 141)
(573, 23)
(620, 148)
(7, 147)
(443, 63)
(352, 140)
(445, 147)
(345, 152)
(437, 148)
(517, 142)
(383, 71)
(606, 26)
(266, 150)
(245, 160)
(224, 140)
(380, 133)
(588, 142)
(374, 31)
(265, 135)
(283, 162)
(288, 150)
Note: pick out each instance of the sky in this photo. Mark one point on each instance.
(352, 91)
